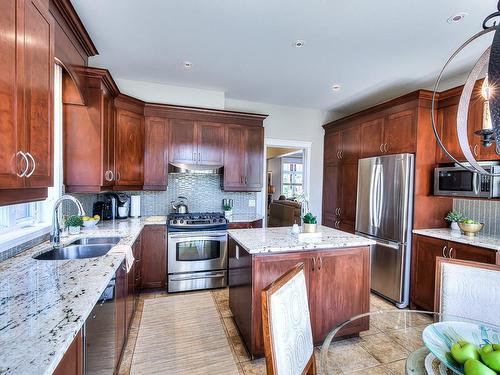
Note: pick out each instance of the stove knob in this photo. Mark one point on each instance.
(175, 221)
(181, 221)
(214, 220)
(221, 220)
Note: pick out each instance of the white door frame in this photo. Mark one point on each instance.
(287, 143)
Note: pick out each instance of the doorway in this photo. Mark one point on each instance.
(286, 182)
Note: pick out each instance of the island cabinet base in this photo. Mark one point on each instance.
(338, 283)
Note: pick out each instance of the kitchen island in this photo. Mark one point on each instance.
(337, 267)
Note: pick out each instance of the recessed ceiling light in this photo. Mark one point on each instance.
(457, 17)
(299, 43)
(187, 64)
(336, 87)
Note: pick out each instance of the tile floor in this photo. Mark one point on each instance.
(355, 356)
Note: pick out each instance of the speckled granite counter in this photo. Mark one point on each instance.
(244, 218)
(274, 240)
(488, 242)
(43, 304)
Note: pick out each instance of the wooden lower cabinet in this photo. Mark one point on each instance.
(424, 254)
(246, 225)
(121, 311)
(73, 361)
(348, 269)
(154, 257)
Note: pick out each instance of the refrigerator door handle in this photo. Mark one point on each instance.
(379, 193)
(371, 203)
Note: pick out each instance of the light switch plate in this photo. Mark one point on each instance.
(251, 203)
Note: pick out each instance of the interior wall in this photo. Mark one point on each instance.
(294, 123)
(274, 166)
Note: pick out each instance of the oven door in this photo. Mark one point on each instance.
(456, 181)
(192, 252)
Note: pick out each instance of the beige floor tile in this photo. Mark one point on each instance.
(383, 348)
(410, 338)
(348, 357)
(377, 370)
(256, 367)
(398, 367)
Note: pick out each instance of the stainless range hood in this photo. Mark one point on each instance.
(195, 168)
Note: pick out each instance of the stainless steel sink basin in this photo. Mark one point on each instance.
(76, 252)
(96, 240)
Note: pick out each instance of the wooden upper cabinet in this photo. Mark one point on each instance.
(234, 158)
(400, 132)
(371, 138)
(254, 153)
(210, 142)
(350, 139)
(183, 142)
(129, 149)
(331, 196)
(332, 146)
(155, 153)
(447, 130)
(26, 90)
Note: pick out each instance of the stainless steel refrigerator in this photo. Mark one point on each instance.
(384, 211)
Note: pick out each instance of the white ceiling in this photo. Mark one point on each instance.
(374, 49)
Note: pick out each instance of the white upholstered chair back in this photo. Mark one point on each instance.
(469, 290)
(289, 348)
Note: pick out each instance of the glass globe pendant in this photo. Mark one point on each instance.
(487, 65)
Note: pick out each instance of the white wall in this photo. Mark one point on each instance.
(293, 123)
(168, 94)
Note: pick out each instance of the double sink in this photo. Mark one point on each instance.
(81, 249)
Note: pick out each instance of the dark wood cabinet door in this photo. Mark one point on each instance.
(349, 271)
(108, 139)
(472, 253)
(129, 148)
(72, 363)
(154, 256)
(350, 143)
(447, 129)
(183, 142)
(372, 137)
(210, 143)
(120, 310)
(400, 132)
(38, 83)
(332, 146)
(234, 158)
(267, 269)
(477, 113)
(155, 153)
(331, 191)
(425, 252)
(11, 128)
(348, 180)
(254, 154)
(137, 250)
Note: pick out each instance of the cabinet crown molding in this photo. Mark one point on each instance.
(104, 76)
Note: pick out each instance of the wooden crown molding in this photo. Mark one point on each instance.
(74, 22)
(104, 76)
(129, 103)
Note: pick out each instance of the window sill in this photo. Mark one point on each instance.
(20, 236)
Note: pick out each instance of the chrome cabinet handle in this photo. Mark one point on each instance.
(314, 264)
(450, 253)
(341, 154)
(246, 179)
(112, 175)
(381, 146)
(118, 176)
(338, 155)
(340, 211)
(320, 264)
(34, 164)
(107, 176)
(386, 147)
(475, 149)
(26, 161)
(444, 249)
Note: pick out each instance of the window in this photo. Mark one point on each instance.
(292, 177)
(19, 215)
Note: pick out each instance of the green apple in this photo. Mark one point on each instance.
(490, 355)
(463, 350)
(475, 367)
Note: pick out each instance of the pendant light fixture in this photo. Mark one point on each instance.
(488, 65)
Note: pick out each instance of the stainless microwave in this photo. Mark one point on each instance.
(456, 181)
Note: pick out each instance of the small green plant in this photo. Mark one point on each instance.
(309, 219)
(454, 216)
(74, 221)
(227, 207)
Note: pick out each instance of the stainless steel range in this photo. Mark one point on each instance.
(197, 251)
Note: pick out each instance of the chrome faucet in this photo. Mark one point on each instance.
(55, 235)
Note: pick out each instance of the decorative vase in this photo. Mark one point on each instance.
(228, 214)
(310, 228)
(74, 230)
(454, 226)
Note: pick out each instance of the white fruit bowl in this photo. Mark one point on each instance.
(90, 223)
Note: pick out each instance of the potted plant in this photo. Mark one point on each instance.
(228, 210)
(454, 218)
(310, 223)
(74, 223)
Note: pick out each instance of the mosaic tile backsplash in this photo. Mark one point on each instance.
(487, 212)
(203, 193)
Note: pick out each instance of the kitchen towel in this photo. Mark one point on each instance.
(129, 255)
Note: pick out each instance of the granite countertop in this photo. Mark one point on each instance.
(488, 242)
(44, 303)
(244, 218)
(276, 240)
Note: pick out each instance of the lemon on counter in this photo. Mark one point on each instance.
(97, 217)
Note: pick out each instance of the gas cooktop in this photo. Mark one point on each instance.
(197, 221)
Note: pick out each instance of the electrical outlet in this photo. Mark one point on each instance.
(251, 203)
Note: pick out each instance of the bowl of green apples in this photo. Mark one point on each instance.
(465, 348)
(470, 227)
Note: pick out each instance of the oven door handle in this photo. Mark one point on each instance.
(211, 235)
(214, 276)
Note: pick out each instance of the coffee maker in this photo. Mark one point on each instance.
(122, 205)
